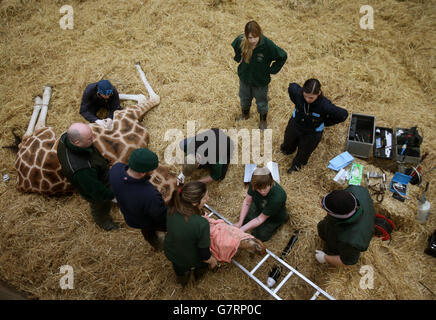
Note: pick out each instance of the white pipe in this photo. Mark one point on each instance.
(151, 93)
(43, 115)
(139, 98)
(36, 109)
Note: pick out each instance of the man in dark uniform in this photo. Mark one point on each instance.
(87, 170)
(312, 113)
(96, 96)
(348, 227)
(140, 202)
(211, 150)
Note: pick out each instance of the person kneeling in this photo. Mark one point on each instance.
(348, 227)
(264, 206)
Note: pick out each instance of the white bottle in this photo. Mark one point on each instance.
(423, 211)
(423, 207)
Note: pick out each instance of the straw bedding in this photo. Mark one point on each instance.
(184, 49)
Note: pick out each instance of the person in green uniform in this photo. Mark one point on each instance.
(87, 170)
(187, 242)
(211, 150)
(258, 58)
(348, 227)
(264, 207)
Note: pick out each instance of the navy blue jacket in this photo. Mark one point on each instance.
(91, 103)
(140, 202)
(313, 117)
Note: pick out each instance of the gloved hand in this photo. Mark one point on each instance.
(100, 122)
(106, 123)
(320, 256)
(180, 178)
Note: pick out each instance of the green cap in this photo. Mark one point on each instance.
(143, 160)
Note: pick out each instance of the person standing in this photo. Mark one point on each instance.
(312, 113)
(87, 170)
(187, 243)
(258, 58)
(140, 202)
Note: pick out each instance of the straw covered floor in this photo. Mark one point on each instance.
(184, 49)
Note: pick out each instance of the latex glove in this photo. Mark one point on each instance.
(108, 124)
(180, 178)
(100, 122)
(320, 256)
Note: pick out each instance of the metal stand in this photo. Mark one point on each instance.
(292, 271)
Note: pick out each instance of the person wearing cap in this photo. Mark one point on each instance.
(87, 170)
(313, 112)
(100, 95)
(211, 150)
(348, 227)
(140, 202)
(264, 207)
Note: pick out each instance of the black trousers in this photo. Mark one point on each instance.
(305, 143)
(150, 236)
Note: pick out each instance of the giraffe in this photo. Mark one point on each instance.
(39, 170)
(37, 165)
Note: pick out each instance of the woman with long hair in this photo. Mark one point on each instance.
(258, 58)
(187, 243)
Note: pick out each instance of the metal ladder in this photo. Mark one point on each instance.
(292, 271)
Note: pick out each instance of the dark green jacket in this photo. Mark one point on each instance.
(184, 239)
(257, 72)
(85, 169)
(354, 233)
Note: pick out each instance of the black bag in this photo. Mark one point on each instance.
(431, 249)
(383, 227)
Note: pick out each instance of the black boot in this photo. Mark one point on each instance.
(244, 115)
(184, 280)
(262, 123)
(293, 168)
(285, 152)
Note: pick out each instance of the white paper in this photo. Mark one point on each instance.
(249, 168)
(272, 166)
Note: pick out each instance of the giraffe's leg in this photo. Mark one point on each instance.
(36, 109)
(153, 96)
(139, 98)
(43, 115)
